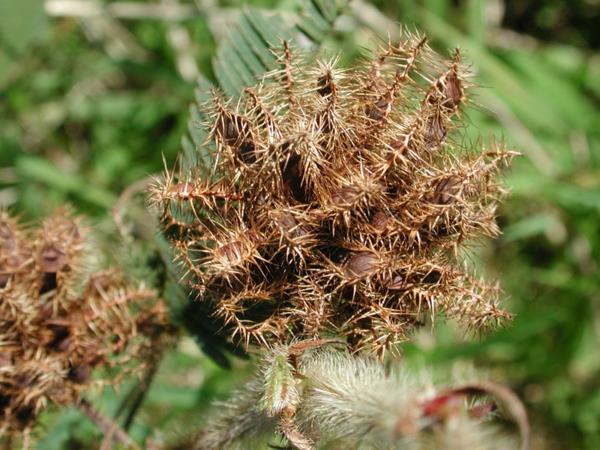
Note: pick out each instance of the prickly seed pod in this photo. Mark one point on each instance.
(354, 185)
(60, 319)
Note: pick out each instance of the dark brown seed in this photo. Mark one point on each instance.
(288, 224)
(61, 339)
(380, 220)
(379, 110)
(398, 283)
(232, 129)
(291, 173)
(231, 132)
(4, 277)
(435, 131)
(52, 259)
(345, 196)
(49, 283)
(79, 373)
(246, 152)
(446, 191)
(325, 85)
(4, 402)
(453, 90)
(361, 264)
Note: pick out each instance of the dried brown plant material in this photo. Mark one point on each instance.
(355, 186)
(60, 320)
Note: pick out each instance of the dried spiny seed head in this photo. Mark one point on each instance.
(59, 320)
(339, 196)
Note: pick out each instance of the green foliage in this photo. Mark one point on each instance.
(21, 24)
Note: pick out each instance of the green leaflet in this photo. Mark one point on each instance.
(280, 386)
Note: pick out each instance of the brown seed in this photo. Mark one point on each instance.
(398, 283)
(285, 220)
(325, 85)
(453, 90)
(379, 110)
(432, 277)
(52, 259)
(361, 264)
(288, 224)
(232, 129)
(4, 277)
(435, 131)
(345, 196)
(447, 190)
(60, 340)
(291, 172)
(79, 373)
(380, 220)
(236, 251)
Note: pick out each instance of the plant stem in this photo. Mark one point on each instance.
(112, 431)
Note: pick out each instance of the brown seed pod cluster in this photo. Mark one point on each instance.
(60, 320)
(338, 201)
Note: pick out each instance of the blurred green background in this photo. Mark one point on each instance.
(93, 94)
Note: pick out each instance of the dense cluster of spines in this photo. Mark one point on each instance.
(60, 319)
(338, 200)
